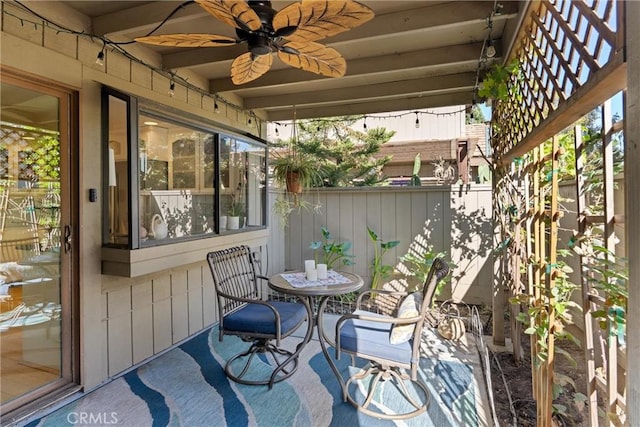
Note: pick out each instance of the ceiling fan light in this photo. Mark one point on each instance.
(260, 46)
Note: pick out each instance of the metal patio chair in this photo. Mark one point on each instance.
(245, 314)
(391, 345)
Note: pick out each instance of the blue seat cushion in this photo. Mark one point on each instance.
(258, 318)
(369, 338)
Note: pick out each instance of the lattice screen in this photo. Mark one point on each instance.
(562, 45)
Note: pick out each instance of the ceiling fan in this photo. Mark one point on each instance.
(291, 32)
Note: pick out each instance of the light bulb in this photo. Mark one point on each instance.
(491, 49)
(172, 87)
(100, 58)
(216, 109)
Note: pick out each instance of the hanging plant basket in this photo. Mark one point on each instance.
(294, 185)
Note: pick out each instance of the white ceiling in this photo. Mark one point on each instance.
(413, 54)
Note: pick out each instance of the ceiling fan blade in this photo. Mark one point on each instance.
(314, 57)
(317, 19)
(246, 67)
(188, 40)
(236, 13)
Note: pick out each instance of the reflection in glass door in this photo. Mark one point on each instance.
(31, 275)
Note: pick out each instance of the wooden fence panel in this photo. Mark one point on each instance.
(419, 217)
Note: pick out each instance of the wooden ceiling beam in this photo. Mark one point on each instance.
(445, 83)
(372, 107)
(450, 55)
(143, 18)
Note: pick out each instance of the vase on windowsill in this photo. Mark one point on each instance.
(233, 222)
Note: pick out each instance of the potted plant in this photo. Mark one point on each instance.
(293, 171)
(235, 212)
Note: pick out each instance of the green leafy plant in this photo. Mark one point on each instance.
(419, 265)
(552, 305)
(284, 206)
(380, 271)
(608, 275)
(495, 84)
(332, 252)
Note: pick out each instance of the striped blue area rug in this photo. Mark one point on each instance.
(187, 387)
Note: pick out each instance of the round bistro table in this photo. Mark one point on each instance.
(322, 291)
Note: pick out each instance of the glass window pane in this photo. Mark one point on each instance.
(242, 178)
(177, 166)
(118, 203)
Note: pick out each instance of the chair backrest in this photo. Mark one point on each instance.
(438, 271)
(234, 276)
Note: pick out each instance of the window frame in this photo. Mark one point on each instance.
(137, 107)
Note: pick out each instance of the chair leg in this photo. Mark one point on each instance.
(379, 375)
(282, 370)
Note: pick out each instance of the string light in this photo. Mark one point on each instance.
(117, 46)
(491, 49)
(100, 57)
(350, 120)
(488, 47)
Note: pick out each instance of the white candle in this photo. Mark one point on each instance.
(309, 265)
(322, 271)
(312, 275)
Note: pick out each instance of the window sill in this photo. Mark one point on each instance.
(134, 263)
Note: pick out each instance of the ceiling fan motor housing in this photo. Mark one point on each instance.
(260, 41)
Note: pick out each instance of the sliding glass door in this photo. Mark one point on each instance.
(36, 348)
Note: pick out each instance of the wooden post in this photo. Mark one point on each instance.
(587, 340)
(536, 268)
(610, 244)
(632, 219)
(551, 273)
(516, 284)
(498, 260)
